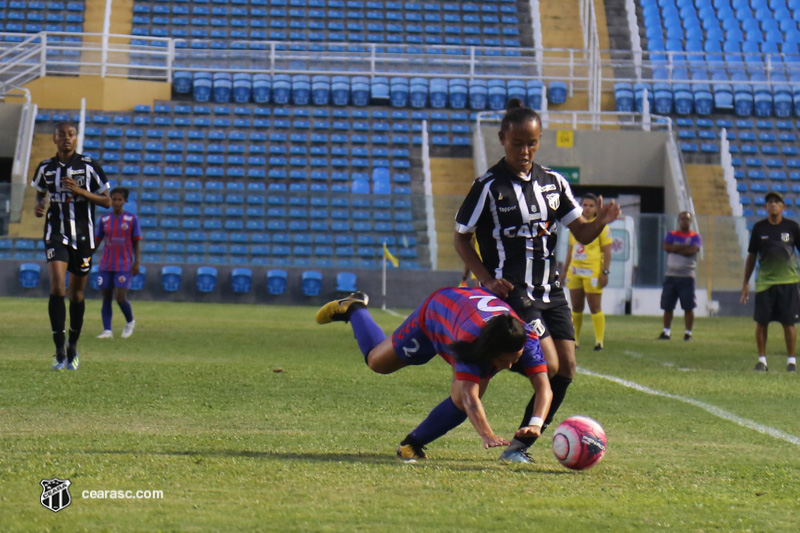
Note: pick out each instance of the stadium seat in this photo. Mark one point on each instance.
(346, 282)
(276, 281)
(171, 278)
(311, 283)
(29, 274)
(241, 280)
(206, 279)
(137, 283)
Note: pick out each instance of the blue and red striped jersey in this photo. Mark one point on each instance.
(118, 234)
(458, 314)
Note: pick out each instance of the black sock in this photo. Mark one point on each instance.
(57, 310)
(76, 311)
(410, 440)
(559, 385)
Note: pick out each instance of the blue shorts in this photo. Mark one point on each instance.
(109, 280)
(675, 289)
(410, 344)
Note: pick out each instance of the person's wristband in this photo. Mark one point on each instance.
(606, 272)
(536, 421)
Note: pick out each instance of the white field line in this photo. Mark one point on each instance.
(712, 409)
(395, 313)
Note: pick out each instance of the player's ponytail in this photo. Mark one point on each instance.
(518, 113)
(500, 335)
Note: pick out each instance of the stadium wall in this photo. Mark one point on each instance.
(405, 288)
(102, 94)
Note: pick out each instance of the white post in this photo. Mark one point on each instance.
(81, 126)
(106, 31)
(383, 287)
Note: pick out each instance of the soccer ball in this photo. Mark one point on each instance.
(579, 442)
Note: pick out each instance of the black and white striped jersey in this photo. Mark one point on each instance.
(70, 219)
(515, 222)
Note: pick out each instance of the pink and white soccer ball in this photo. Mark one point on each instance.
(579, 442)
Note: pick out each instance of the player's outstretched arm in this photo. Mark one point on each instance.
(585, 231)
(541, 406)
(466, 396)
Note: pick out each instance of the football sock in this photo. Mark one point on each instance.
(762, 359)
(791, 360)
(76, 312)
(599, 323)
(107, 312)
(126, 310)
(442, 419)
(688, 332)
(559, 385)
(667, 331)
(368, 334)
(577, 321)
(57, 310)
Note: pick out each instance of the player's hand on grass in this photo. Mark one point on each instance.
(493, 441)
(528, 431)
(499, 287)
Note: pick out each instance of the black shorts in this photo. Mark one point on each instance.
(779, 303)
(675, 289)
(78, 262)
(555, 321)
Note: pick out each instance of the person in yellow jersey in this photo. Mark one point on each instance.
(587, 270)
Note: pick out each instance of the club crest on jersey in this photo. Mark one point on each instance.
(785, 237)
(55, 494)
(125, 226)
(553, 200)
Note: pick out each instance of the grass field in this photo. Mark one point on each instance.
(192, 405)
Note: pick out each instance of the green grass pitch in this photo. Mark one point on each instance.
(193, 405)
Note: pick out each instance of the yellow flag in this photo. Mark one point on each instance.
(388, 255)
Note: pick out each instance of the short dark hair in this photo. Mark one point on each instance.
(120, 190)
(500, 334)
(517, 113)
(65, 123)
(590, 196)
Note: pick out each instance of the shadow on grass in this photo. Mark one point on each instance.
(364, 458)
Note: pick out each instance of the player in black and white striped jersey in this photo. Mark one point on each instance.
(514, 211)
(73, 183)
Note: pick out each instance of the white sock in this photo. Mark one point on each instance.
(791, 361)
(667, 331)
(762, 359)
(688, 332)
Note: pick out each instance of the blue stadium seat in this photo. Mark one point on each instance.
(206, 279)
(276, 281)
(557, 93)
(311, 283)
(346, 282)
(29, 274)
(171, 278)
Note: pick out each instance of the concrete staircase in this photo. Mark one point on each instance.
(30, 227)
(721, 266)
(451, 179)
(561, 28)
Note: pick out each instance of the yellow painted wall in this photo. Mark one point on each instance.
(102, 94)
